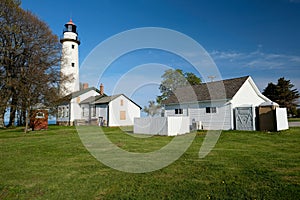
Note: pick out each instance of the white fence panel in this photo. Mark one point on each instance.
(178, 125)
(161, 125)
(281, 119)
(150, 125)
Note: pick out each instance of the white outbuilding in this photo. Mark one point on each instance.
(115, 110)
(220, 105)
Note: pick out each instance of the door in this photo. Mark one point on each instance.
(100, 121)
(244, 118)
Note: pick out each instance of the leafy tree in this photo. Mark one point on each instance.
(153, 109)
(29, 59)
(192, 78)
(283, 93)
(172, 79)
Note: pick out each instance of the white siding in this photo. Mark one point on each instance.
(248, 95)
(76, 111)
(210, 121)
(131, 111)
(85, 112)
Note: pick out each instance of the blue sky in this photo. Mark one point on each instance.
(260, 38)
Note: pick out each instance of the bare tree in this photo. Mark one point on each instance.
(10, 48)
(30, 57)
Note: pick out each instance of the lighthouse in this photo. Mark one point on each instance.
(70, 59)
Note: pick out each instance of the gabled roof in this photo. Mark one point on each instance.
(66, 99)
(92, 99)
(107, 99)
(80, 92)
(104, 99)
(218, 90)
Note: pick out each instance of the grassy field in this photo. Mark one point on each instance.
(54, 164)
(294, 119)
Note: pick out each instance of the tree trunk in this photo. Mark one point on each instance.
(2, 112)
(12, 116)
(26, 120)
(13, 109)
(22, 115)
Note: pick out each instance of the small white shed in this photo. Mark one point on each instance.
(170, 126)
(272, 118)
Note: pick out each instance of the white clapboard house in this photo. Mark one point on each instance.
(92, 106)
(115, 110)
(69, 110)
(219, 105)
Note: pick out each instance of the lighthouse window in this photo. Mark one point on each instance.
(73, 46)
(73, 64)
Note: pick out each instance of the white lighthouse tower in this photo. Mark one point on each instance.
(70, 60)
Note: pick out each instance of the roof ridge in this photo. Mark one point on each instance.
(207, 91)
(229, 79)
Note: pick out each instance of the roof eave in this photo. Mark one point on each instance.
(203, 101)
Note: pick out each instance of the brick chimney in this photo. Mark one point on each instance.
(85, 85)
(101, 89)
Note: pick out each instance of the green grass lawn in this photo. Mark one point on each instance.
(54, 164)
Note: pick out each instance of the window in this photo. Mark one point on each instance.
(122, 115)
(211, 110)
(73, 64)
(93, 111)
(121, 102)
(70, 27)
(60, 112)
(83, 112)
(73, 46)
(40, 115)
(178, 111)
(63, 112)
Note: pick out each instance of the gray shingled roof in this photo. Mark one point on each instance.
(80, 92)
(104, 99)
(92, 99)
(217, 90)
(107, 99)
